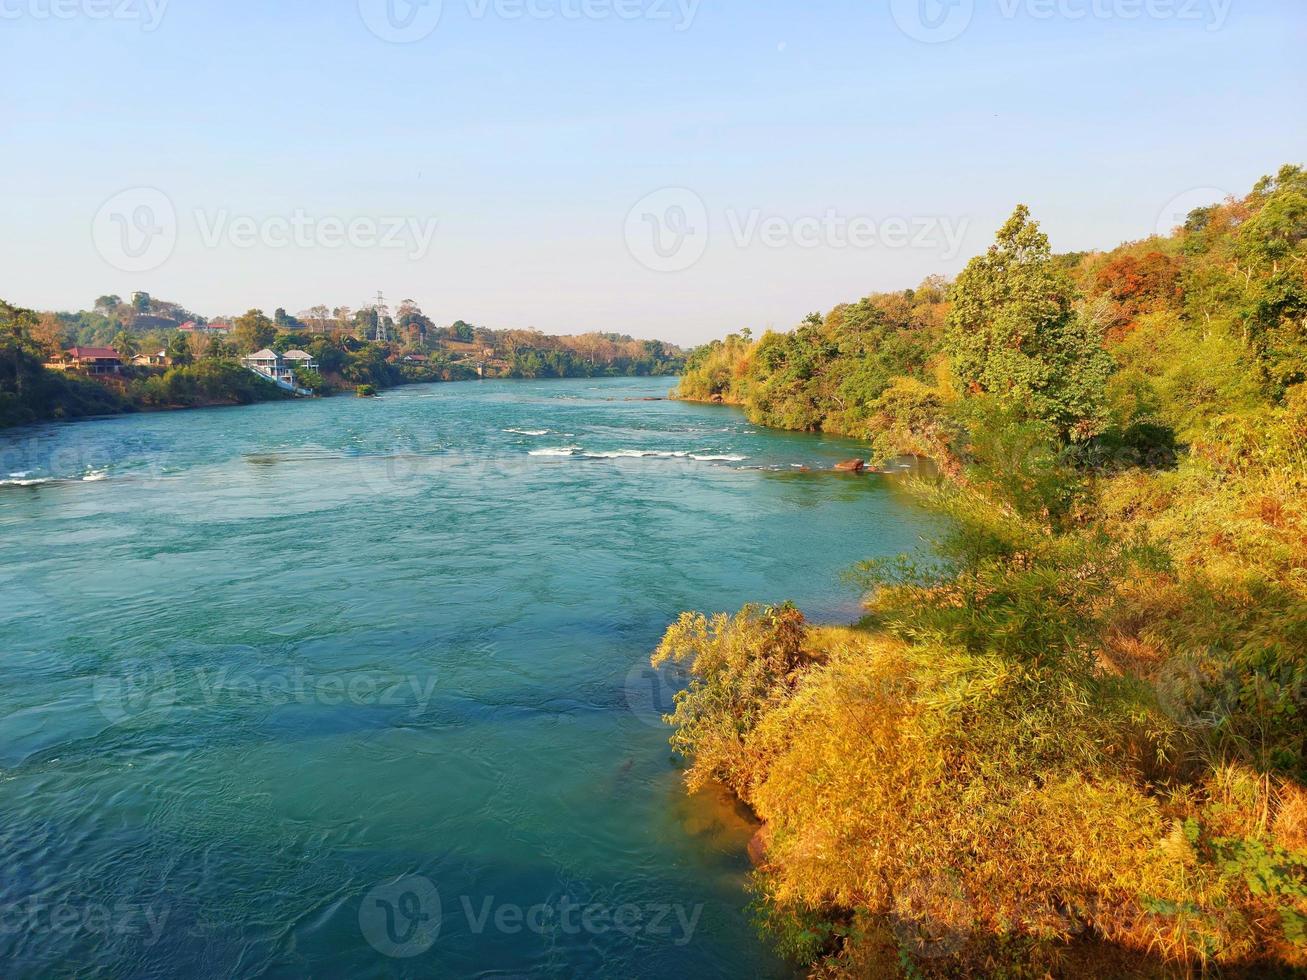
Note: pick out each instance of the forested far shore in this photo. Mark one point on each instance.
(1073, 737)
(147, 353)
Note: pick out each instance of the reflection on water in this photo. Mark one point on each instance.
(715, 819)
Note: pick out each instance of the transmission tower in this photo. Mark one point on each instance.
(382, 313)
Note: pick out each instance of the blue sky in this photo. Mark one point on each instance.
(782, 156)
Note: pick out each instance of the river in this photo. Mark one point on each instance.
(359, 687)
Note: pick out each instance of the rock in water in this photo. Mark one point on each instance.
(851, 466)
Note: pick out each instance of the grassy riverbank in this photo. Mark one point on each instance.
(1074, 741)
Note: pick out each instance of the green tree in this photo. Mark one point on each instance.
(19, 351)
(413, 322)
(1013, 332)
(1280, 227)
(126, 346)
(308, 378)
(27, 390)
(284, 321)
(220, 350)
(179, 350)
(253, 331)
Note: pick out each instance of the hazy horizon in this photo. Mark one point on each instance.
(662, 168)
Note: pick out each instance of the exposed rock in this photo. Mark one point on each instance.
(717, 399)
(851, 466)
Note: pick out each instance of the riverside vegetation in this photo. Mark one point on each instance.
(204, 368)
(1072, 741)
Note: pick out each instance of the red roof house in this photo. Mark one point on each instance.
(92, 360)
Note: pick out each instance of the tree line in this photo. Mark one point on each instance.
(203, 366)
(1073, 737)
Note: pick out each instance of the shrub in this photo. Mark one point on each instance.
(738, 664)
(312, 380)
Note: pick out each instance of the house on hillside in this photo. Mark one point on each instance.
(415, 359)
(157, 359)
(280, 367)
(268, 363)
(88, 360)
(299, 360)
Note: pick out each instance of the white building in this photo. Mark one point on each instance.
(299, 360)
(279, 367)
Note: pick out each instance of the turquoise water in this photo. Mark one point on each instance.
(357, 687)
